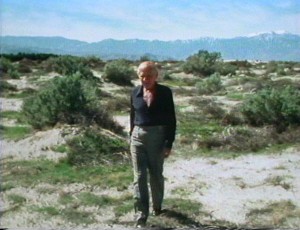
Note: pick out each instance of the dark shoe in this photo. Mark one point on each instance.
(157, 212)
(141, 222)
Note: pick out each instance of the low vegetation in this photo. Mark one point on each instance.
(119, 72)
(274, 214)
(94, 147)
(31, 173)
(224, 109)
(279, 107)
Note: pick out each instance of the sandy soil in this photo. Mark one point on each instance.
(229, 189)
(10, 104)
(36, 146)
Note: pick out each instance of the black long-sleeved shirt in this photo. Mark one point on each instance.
(160, 112)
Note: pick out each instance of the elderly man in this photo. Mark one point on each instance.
(152, 131)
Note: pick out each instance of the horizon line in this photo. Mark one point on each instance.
(278, 32)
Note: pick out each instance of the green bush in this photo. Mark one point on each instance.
(70, 100)
(13, 73)
(279, 107)
(93, 62)
(23, 68)
(241, 64)
(5, 65)
(30, 56)
(94, 147)
(6, 87)
(62, 102)
(203, 63)
(226, 68)
(119, 72)
(68, 65)
(209, 85)
(279, 67)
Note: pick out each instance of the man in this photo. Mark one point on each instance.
(152, 131)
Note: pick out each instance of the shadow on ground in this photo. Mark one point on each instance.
(186, 223)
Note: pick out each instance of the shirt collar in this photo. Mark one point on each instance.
(140, 91)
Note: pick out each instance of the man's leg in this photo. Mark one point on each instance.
(157, 185)
(156, 161)
(139, 162)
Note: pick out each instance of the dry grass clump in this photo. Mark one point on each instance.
(246, 138)
(281, 213)
(233, 117)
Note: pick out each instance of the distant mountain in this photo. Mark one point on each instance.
(265, 46)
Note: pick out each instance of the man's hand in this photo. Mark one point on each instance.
(167, 152)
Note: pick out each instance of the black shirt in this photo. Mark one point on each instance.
(160, 112)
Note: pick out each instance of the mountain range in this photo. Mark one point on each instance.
(264, 47)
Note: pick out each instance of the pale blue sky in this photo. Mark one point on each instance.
(95, 20)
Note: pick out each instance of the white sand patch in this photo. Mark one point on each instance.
(38, 145)
(22, 83)
(124, 121)
(229, 189)
(10, 104)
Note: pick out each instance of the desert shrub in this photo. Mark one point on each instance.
(119, 72)
(26, 92)
(62, 102)
(70, 100)
(94, 147)
(68, 65)
(271, 67)
(202, 64)
(278, 84)
(13, 73)
(279, 107)
(102, 117)
(241, 64)
(213, 111)
(5, 65)
(23, 68)
(233, 117)
(290, 135)
(5, 86)
(209, 85)
(30, 56)
(118, 104)
(93, 62)
(225, 68)
(167, 76)
(246, 139)
(281, 68)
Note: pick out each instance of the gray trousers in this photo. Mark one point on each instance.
(147, 145)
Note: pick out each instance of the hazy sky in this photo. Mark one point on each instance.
(95, 20)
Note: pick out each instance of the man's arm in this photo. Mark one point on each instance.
(132, 114)
(171, 121)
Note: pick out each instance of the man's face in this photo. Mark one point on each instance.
(148, 77)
